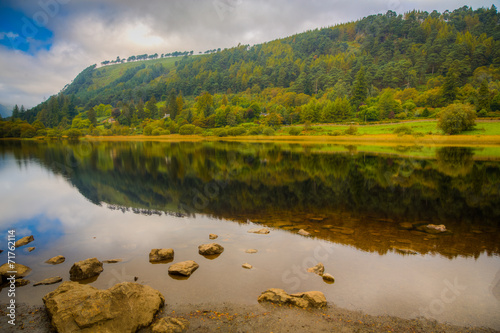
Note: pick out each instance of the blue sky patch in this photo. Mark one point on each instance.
(21, 32)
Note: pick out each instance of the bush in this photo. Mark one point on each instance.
(482, 113)
(335, 133)
(268, 131)
(164, 132)
(255, 131)
(352, 130)
(402, 130)
(295, 131)
(426, 113)
(96, 132)
(236, 131)
(220, 132)
(187, 129)
(156, 132)
(456, 118)
(53, 134)
(198, 130)
(148, 130)
(73, 133)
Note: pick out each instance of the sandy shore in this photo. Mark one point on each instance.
(256, 318)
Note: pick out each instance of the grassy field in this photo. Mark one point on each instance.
(422, 127)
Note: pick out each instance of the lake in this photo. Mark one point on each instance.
(367, 209)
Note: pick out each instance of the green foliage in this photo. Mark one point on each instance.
(295, 131)
(426, 113)
(53, 134)
(456, 118)
(482, 113)
(73, 133)
(236, 131)
(268, 131)
(352, 130)
(148, 130)
(220, 132)
(187, 129)
(403, 130)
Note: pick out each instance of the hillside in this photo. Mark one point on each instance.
(5, 111)
(380, 67)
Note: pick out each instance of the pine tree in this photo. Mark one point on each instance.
(483, 97)
(92, 116)
(15, 113)
(450, 85)
(172, 105)
(360, 89)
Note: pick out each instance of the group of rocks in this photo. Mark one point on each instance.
(129, 306)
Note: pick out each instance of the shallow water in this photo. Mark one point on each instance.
(120, 200)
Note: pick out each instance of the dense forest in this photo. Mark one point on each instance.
(381, 67)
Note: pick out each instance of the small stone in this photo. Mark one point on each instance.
(47, 281)
(112, 261)
(136, 278)
(161, 254)
(85, 269)
(30, 249)
(170, 325)
(404, 250)
(247, 266)
(56, 260)
(259, 231)
(328, 277)
(302, 232)
(210, 249)
(213, 236)
(185, 268)
(21, 282)
(251, 251)
(318, 269)
(25, 240)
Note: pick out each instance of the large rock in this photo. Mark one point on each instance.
(51, 280)
(170, 325)
(20, 271)
(185, 268)
(56, 260)
(310, 299)
(125, 307)
(259, 231)
(210, 249)
(25, 240)
(318, 269)
(161, 254)
(85, 269)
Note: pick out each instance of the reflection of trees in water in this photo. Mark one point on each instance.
(455, 161)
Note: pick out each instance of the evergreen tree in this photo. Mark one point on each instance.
(483, 97)
(152, 108)
(450, 85)
(140, 110)
(360, 89)
(172, 106)
(15, 113)
(91, 115)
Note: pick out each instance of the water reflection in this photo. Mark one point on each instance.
(377, 203)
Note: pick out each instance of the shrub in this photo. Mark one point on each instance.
(187, 129)
(73, 133)
(268, 131)
(426, 113)
(335, 133)
(456, 118)
(96, 132)
(402, 130)
(295, 131)
(53, 134)
(255, 131)
(198, 130)
(352, 130)
(236, 131)
(164, 132)
(148, 130)
(482, 113)
(156, 132)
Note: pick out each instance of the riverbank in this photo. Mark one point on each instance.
(256, 318)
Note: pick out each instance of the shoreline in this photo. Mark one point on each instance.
(229, 317)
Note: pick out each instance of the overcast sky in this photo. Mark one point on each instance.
(44, 44)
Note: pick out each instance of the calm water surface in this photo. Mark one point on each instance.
(120, 200)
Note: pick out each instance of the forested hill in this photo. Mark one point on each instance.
(386, 65)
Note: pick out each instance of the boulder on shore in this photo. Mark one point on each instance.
(25, 240)
(125, 307)
(318, 269)
(51, 280)
(210, 249)
(85, 269)
(170, 325)
(310, 299)
(185, 268)
(56, 260)
(21, 271)
(161, 254)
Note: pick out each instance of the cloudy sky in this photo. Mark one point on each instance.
(44, 44)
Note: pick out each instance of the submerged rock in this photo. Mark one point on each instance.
(170, 325)
(213, 236)
(247, 266)
(310, 299)
(30, 249)
(259, 231)
(51, 280)
(185, 268)
(112, 261)
(328, 277)
(251, 251)
(25, 240)
(161, 254)
(436, 228)
(404, 250)
(125, 307)
(210, 249)
(85, 269)
(318, 269)
(302, 232)
(406, 225)
(20, 271)
(21, 282)
(56, 260)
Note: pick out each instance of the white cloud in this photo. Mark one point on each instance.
(9, 35)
